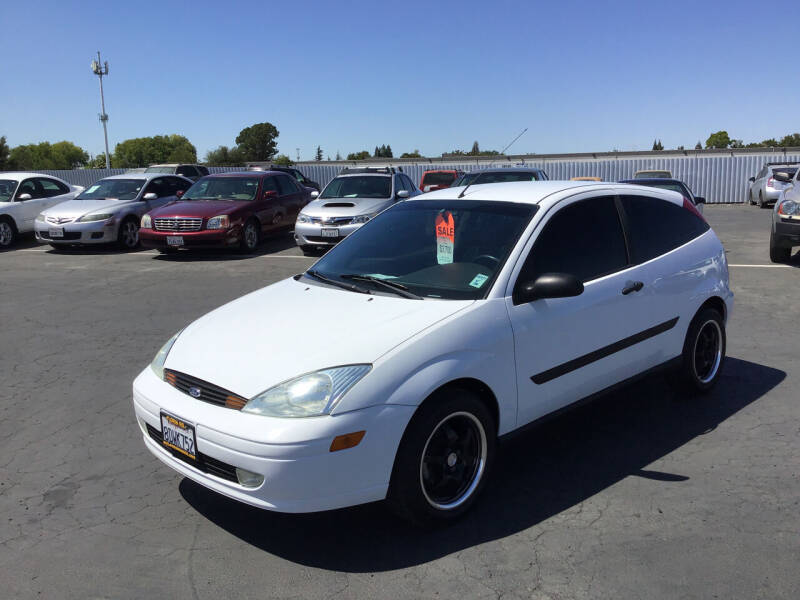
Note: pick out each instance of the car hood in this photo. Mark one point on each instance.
(198, 208)
(345, 207)
(295, 327)
(78, 208)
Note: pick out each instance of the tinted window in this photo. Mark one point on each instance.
(658, 226)
(29, 187)
(52, 188)
(788, 170)
(298, 176)
(7, 187)
(270, 185)
(160, 187)
(438, 178)
(203, 170)
(504, 176)
(583, 239)
(287, 185)
(187, 171)
(176, 184)
(409, 184)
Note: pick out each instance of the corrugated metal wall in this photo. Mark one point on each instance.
(719, 178)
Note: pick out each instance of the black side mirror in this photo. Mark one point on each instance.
(783, 176)
(699, 200)
(752, 179)
(548, 285)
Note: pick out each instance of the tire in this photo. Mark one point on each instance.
(750, 198)
(8, 233)
(703, 353)
(128, 235)
(250, 237)
(308, 250)
(778, 254)
(761, 201)
(444, 458)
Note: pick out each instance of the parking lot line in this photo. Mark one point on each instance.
(765, 266)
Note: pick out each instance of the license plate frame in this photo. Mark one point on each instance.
(179, 428)
(329, 232)
(174, 240)
(56, 232)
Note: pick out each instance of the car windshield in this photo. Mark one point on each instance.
(359, 186)
(443, 249)
(505, 176)
(117, 189)
(647, 174)
(159, 170)
(223, 188)
(787, 170)
(441, 178)
(7, 187)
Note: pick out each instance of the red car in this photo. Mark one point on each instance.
(438, 179)
(227, 210)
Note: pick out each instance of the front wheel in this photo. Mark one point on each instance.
(8, 235)
(777, 254)
(703, 352)
(128, 236)
(443, 459)
(249, 240)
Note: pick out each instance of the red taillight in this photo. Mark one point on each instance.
(689, 205)
(769, 182)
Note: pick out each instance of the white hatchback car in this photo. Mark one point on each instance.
(390, 368)
(23, 196)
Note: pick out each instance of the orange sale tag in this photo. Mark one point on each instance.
(445, 238)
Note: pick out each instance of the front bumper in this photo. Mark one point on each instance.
(300, 473)
(310, 234)
(96, 232)
(786, 232)
(207, 238)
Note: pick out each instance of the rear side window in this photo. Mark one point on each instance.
(584, 239)
(287, 185)
(54, 188)
(186, 171)
(440, 178)
(657, 226)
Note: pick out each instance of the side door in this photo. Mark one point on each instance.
(54, 192)
(165, 193)
(569, 348)
(268, 204)
(291, 198)
(29, 206)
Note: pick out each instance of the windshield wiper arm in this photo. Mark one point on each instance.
(397, 288)
(341, 284)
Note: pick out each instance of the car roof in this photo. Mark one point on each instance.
(146, 176)
(507, 170)
(540, 192)
(246, 174)
(20, 175)
(644, 180)
(173, 165)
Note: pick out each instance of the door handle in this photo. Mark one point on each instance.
(632, 287)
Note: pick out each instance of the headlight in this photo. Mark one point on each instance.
(790, 208)
(301, 218)
(147, 222)
(161, 357)
(362, 218)
(95, 217)
(40, 217)
(309, 395)
(219, 222)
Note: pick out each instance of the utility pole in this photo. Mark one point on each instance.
(99, 70)
(298, 154)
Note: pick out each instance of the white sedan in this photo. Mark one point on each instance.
(23, 196)
(392, 366)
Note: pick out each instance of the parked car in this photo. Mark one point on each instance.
(676, 185)
(299, 177)
(25, 195)
(193, 172)
(351, 199)
(108, 211)
(653, 174)
(785, 231)
(438, 179)
(501, 175)
(390, 368)
(226, 210)
(765, 188)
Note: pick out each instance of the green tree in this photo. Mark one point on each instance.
(140, 152)
(698, 145)
(770, 143)
(414, 154)
(61, 155)
(790, 140)
(223, 156)
(657, 145)
(720, 139)
(282, 159)
(737, 144)
(358, 155)
(338, 156)
(258, 142)
(476, 150)
(4, 165)
(387, 152)
(377, 152)
(99, 161)
(318, 155)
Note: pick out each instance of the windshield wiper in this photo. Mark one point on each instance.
(397, 288)
(346, 286)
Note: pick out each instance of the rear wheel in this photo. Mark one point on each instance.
(443, 459)
(249, 241)
(703, 352)
(308, 250)
(778, 254)
(128, 236)
(8, 233)
(761, 200)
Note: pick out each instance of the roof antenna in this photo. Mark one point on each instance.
(503, 151)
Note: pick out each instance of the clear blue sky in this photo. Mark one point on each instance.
(582, 76)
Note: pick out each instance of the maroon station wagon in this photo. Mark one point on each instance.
(226, 210)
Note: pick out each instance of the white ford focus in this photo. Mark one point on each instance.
(391, 368)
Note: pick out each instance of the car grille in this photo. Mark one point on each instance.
(331, 220)
(60, 220)
(177, 224)
(204, 463)
(202, 390)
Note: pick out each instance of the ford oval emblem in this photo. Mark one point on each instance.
(195, 392)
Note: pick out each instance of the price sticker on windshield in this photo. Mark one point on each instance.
(445, 238)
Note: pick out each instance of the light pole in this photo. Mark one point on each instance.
(100, 71)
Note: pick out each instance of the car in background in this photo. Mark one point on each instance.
(785, 229)
(586, 178)
(765, 188)
(351, 199)
(298, 176)
(501, 175)
(653, 174)
(193, 172)
(390, 368)
(23, 196)
(109, 210)
(226, 210)
(438, 179)
(676, 185)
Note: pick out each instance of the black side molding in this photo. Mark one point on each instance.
(586, 359)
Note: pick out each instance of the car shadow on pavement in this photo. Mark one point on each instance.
(538, 474)
(270, 245)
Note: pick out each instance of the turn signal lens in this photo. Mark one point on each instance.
(348, 440)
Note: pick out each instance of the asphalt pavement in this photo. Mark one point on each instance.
(642, 494)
